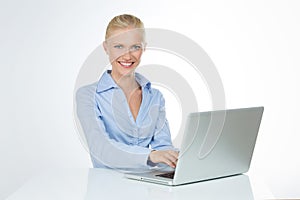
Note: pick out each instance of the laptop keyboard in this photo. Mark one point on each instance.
(169, 175)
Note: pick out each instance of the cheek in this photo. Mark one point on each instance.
(113, 56)
(137, 55)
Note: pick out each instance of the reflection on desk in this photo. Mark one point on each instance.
(114, 186)
(97, 184)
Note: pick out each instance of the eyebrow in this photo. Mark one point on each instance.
(119, 43)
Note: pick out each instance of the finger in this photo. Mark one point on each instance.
(172, 156)
(175, 154)
(171, 160)
(170, 163)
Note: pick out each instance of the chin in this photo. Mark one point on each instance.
(124, 69)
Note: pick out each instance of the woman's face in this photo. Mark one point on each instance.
(124, 48)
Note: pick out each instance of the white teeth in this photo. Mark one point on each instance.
(126, 63)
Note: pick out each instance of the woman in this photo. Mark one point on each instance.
(127, 128)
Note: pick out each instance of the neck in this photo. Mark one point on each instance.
(126, 82)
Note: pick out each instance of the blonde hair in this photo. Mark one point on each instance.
(124, 21)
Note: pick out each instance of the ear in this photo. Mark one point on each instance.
(104, 44)
(144, 46)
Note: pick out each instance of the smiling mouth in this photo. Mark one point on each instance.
(126, 64)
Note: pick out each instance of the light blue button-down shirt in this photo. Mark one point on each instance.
(114, 138)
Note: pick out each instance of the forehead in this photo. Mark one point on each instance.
(126, 36)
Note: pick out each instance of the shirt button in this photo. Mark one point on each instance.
(134, 132)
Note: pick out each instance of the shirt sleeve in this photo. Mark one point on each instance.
(162, 137)
(102, 149)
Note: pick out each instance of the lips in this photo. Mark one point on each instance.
(126, 64)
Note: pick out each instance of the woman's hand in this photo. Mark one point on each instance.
(168, 157)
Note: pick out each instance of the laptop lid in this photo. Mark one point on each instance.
(215, 144)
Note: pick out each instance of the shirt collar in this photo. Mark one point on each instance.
(142, 81)
(106, 82)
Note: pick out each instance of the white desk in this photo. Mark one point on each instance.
(107, 184)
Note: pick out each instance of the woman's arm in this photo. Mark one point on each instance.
(102, 149)
(161, 143)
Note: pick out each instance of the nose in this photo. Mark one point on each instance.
(126, 55)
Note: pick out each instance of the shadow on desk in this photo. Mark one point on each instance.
(108, 184)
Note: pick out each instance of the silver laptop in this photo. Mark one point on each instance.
(215, 144)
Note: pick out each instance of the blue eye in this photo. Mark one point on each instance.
(136, 47)
(118, 46)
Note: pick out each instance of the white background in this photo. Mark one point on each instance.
(254, 45)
